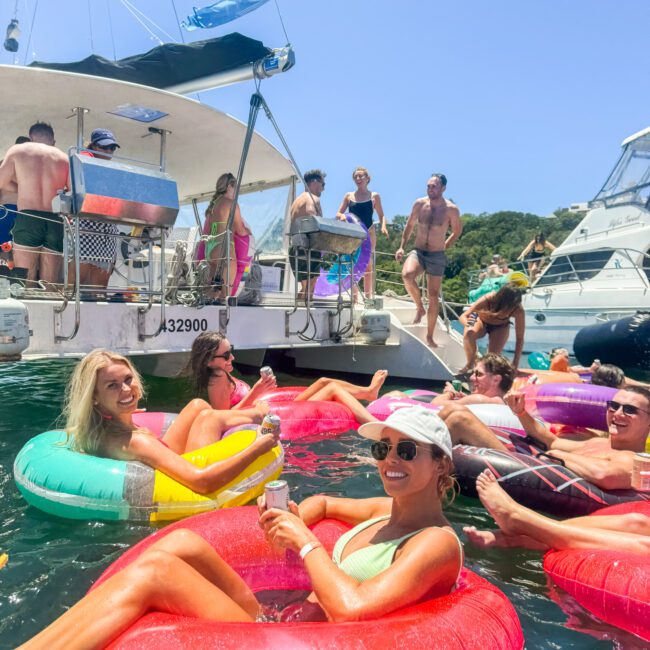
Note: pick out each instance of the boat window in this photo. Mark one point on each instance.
(629, 182)
(571, 268)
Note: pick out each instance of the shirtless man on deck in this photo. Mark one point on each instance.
(308, 205)
(36, 170)
(434, 216)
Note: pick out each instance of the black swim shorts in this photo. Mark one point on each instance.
(433, 262)
(36, 229)
(304, 271)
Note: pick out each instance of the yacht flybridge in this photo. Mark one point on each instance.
(155, 191)
(601, 271)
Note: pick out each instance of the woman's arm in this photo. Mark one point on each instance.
(147, 449)
(261, 386)
(379, 209)
(520, 329)
(480, 305)
(239, 227)
(428, 560)
(526, 250)
(340, 213)
(549, 246)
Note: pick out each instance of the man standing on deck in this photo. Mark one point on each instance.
(434, 216)
(36, 170)
(307, 205)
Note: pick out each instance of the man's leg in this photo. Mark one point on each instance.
(26, 257)
(51, 263)
(411, 271)
(466, 429)
(369, 275)
(433, 289)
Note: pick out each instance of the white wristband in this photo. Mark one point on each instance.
(308, 548)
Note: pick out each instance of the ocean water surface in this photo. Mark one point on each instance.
(53, 562)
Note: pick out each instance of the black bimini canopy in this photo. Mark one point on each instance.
(171, 64)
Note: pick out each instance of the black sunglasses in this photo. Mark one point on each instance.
(406, 450)
(226, 355)
(628, 409)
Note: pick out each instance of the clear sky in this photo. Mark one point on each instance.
(522, 104)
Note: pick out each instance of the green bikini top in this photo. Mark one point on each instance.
(370, 561)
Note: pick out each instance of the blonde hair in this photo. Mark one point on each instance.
(221, 188)
(84, 423)
(363, 170)
(447, 486)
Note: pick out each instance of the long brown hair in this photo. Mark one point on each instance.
(221, 188)
(203, 348)
(507, 297)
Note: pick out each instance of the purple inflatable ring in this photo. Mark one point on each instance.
(327, 283)
(577, 405)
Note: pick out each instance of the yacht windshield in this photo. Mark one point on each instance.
(630, 180)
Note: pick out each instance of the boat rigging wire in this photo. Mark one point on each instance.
(31, 29)
(140, 16)
(178, 22)
(110, 26)
(282, 22)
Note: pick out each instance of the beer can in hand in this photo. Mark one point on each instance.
(266, 371)
(276, 495)
(270, 424)
(641, 472)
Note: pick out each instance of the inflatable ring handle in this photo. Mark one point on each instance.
(545, 454)
(533, 442)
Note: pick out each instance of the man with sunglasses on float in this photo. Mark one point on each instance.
(605, 462)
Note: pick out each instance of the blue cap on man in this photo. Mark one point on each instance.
(103, 138)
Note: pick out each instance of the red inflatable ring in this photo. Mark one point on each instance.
(614, 585)
(476, 615)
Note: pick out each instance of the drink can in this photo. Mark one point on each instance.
(641, 472)
(266, 371)
(276, 495)
(270, 424)
(457, 384)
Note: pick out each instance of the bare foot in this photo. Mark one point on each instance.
(431, 343)
(497, 502)
(419, 315)
(486, 538)
(377, 382)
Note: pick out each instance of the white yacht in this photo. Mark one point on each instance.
(601, 271)
(173, 149)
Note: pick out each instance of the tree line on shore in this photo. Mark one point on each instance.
(506, 233)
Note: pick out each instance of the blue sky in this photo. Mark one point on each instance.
(522, 104)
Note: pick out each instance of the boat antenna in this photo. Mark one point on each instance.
(90, 26)
(31, 30)
(178, 22)
(282, 22)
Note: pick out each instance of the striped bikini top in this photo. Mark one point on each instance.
(367, 562)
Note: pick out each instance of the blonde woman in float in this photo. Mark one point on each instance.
(363, 203)
(101, 398)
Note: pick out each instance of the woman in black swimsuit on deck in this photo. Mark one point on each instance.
(534, 254)
(362, 203)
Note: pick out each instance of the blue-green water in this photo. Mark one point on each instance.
(52, 562)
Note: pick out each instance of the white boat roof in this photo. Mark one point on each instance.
(635, 136)
(203, 144)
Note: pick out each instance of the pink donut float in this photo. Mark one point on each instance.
(156, 421)
(475, 615)
(614, 585)
(498, 416)
(579, 405)
(307, 419)
(282, 394)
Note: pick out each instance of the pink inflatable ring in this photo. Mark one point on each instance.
(476, 615)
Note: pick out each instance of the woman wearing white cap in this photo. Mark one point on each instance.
(401, 550)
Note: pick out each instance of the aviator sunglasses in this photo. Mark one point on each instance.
(628, 409)
(406, 450)
(226, 355)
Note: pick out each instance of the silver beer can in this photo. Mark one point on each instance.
(270, 424)
(266, 371)
(276, 495)
(641, 472)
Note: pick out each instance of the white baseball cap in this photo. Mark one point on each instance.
(416, 422)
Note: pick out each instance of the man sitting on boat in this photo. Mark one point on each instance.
(36, 171)
(605, 462)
